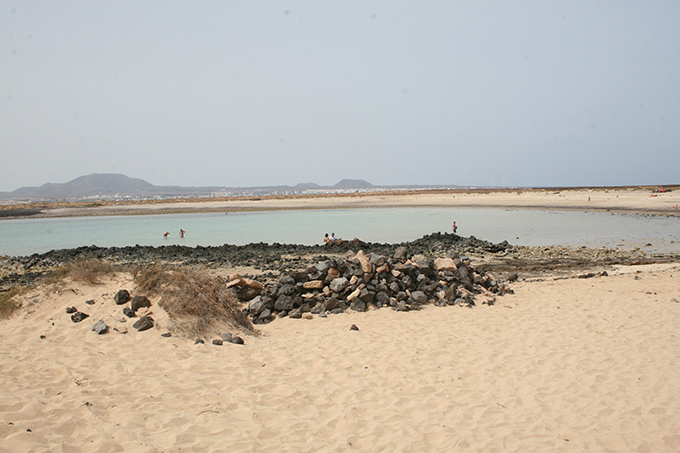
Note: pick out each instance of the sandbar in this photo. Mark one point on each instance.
(624, 200)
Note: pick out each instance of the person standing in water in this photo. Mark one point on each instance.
(181, 233)
(455, 228)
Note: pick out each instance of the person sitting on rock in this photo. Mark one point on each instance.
(326, 239)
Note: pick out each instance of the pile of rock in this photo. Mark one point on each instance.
(145, 322)
(364, 281)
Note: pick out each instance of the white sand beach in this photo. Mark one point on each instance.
(641, 200)
(561, 365)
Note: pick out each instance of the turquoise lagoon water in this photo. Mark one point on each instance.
(386, 225)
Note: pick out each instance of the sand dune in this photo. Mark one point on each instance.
(561, 365)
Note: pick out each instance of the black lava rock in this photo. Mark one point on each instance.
(79, 316)
(122, 297)
(139, 302)
(144, 323)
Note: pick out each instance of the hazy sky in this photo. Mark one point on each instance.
(249, 93)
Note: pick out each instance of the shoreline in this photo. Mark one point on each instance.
(582, 354)
(619, 200)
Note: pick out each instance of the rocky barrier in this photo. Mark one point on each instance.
(262, 256)
(502, 258)
(362, 281)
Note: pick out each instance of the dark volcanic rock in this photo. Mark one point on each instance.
(122, 297)
(79, 316)
(144, 323)
(284, 303)
(357, 305)
(138, 302)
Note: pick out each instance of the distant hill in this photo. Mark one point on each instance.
(117, 186)
(307, 186)
(88, 186)
(353, 184)
(101, 185)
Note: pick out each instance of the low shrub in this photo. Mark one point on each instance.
(8, 303)
(198, 303)
(89, 271)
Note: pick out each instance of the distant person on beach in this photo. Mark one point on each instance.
(166, 234)
(455, 228)
(332, 239)
(181, 233)
(326, 239)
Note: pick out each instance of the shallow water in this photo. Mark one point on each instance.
(387, 225)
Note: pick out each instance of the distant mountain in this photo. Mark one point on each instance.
(98, 185)
(117, 186)
(307, 186)
(353, 184)
(105, 185)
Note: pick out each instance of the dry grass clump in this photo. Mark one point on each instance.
(8, 303)
(89, 271)
(82, 271)
(196, 302)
